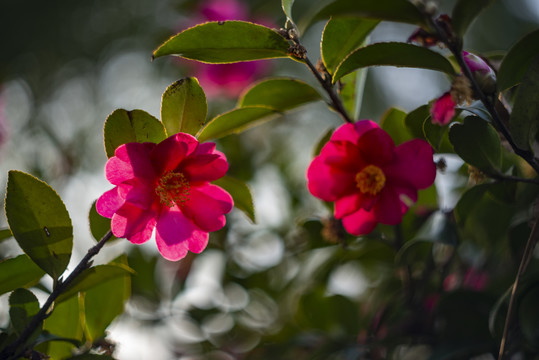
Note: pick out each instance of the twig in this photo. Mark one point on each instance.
(526, 257)
(10, 352)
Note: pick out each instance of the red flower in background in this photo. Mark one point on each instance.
(166, 187)
(228, 80)
(370, 179)
(443, 109)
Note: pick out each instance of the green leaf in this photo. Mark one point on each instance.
(235, 121)
(351, 91)
(464, 12)
(122, 127)
(5, 234)
(114, 293)
(393, 54)
(241, 194)
(91, 357)
(64, 322)
(39, 221)
(528, 314)
(525, 115)
(287, 8)
(518, 60)
(18, 272)
(341, 36)
(225, 42)
(477, 143)
(433, 133)
(322, 141)
(413, 252)
(279, 94)
(94, 276)
(390, 10)
(393, 123)
(23, 306)
(438, 228)
(99, 225)
(468, 202)
(415, 119)
(184, 107)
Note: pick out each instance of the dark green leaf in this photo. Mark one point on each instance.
(235, 121)
(477, 143)
(241, 194)
(225, 42)
(390, 10)
(413, 252)
(525, 116)
(64, 323)
(528, 314)
(114, 293)
(439, 227)
(23, 306)
(393, 123)
(322, 141)
(287, 7)
(5, 234)
(184, 107)
(279, 94)
(91, 357)
(99, 225)
(341, 36)
(477, 108)
(122, 127)
(433, 133)
(464, 12)
(144, 282)
(415, 119)
(39, 221)
(94, 276)
(393, 54)
(518, 60)
(468, 201)
(18, 272)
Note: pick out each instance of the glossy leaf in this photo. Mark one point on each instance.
(477, 143)
(341, 36)
(241, 194)
(39, 221)
(18, 272)
(184, 107)
(351, 91)
(468, 202)
(393, 54)
(23, 306)
(279, 94)
(122, 127)
(477, 108)
(390, 10)
(518, 60)
(94, 276)
(415, 119)
(464, 12)
(114, 293)
(64, 322)
(5, 234)
(433, 133)
(287, 7)
(99, 225)
(235, 121)
(525, 114)
(225, 42)
(393, 123)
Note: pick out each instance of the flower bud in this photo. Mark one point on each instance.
(482, 72)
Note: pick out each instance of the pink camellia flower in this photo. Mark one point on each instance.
(166, 186)
(227, 80)
(443, 109)
(481, 71)
(370, 179)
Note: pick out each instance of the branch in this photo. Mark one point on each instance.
(10, 352)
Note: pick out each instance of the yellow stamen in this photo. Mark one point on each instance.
(370, 180)
(173, 188)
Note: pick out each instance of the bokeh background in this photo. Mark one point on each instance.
(66, 65)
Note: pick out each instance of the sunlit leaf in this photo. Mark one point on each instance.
(525, 115)
(279, 94)
(341, 36)
(464, 12)
(518, 60)
(5, 234)
(99, 225)
(393, 123)
(184, 107)
(18, 272)
(351, 90)
(241, 194)
(94, 276)
(122, 127)
(235, 121)
(393, 54)
(114, 293)
(39, 221)
(23, 306)
(225, 42)
(477, 143)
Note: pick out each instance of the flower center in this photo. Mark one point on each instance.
(173, 188)
(370, 180)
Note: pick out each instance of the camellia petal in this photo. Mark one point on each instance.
(413, 166)
(207, 206)
(352, 132)
(387, 208)
(360, 222)
(169, 153)
(130, 219)
(206, 167)
(130, 161)
(109, 203)
(376, 147)
(443, 109)
(328, 183)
